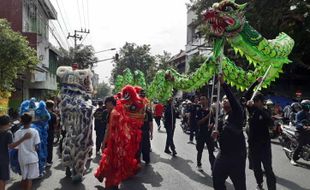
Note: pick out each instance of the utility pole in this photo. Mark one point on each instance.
(77, 36)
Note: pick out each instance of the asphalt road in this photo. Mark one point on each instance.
(173, 173)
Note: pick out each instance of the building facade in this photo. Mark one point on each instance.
(195, 43)
(179, 61)
(31, 19)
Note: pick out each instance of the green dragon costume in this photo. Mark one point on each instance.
(225, 21)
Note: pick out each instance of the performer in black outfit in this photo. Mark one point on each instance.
(193, 120)
(101, 121)
(204, 132)
(169, 124)
(147, 136)
(230, 161)
(259, 139)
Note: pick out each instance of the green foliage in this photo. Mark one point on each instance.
(16, 56)
(135, 57)
(163, 61)
(195, 62)
(83, 55)
(103, 90)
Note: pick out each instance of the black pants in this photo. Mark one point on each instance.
(157, 120)
(50, 144)
(303, 139)
(193, 131)
(261, 154)
(204, 137)
(229, 166)
(169, 141)
(145, 146)
(99, 138)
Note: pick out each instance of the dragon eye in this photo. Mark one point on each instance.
(228, 8)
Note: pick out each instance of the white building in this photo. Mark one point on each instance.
(195, 43)
(36, 16)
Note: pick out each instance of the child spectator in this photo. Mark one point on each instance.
(27, 152)
(6, 139)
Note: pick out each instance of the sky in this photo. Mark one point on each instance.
(160, 23)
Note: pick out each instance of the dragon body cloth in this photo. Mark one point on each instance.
(119, 158)
(76, 117)
(225, 21)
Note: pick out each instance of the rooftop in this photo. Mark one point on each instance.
(48, 9)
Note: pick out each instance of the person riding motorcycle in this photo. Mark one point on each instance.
(303, 129)
(295, 108)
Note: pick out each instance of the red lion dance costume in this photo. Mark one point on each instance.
(119, 158)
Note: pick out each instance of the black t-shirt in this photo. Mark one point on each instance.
(147, 119)
(52, 122)
(193, 111)
(259, 121)
(101, 118)
(200, 114)
(6, 138)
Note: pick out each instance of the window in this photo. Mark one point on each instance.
(30, 16)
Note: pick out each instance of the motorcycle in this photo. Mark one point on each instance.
(289, 143)
(276, 130)
(185, 117)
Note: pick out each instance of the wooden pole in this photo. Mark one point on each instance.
(261, 82)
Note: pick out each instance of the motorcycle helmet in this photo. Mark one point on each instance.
(296, 107)
(305, 104)
(269, 102)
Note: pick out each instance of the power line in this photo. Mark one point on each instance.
(66, 16)
(83, 11)
(76, 36)
(52, 31)
(60, 37)
(79, 12)
(84, 38)
(63, 33)
(87, 8)
(62, 17)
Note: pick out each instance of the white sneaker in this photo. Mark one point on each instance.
(293, 163)
(199, 168)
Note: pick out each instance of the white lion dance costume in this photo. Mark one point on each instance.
(76, 112)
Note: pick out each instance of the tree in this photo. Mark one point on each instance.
(135, 57)
(84, 56)
(163, 61)
(103, 90)
(195, 62)
(16, 56)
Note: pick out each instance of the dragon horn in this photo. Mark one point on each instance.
(242, 6)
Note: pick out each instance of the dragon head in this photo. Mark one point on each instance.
(225, 18)
(133, 103)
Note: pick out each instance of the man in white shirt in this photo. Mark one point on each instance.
(27, 152)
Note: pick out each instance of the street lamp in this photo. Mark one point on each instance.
(111, 49)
